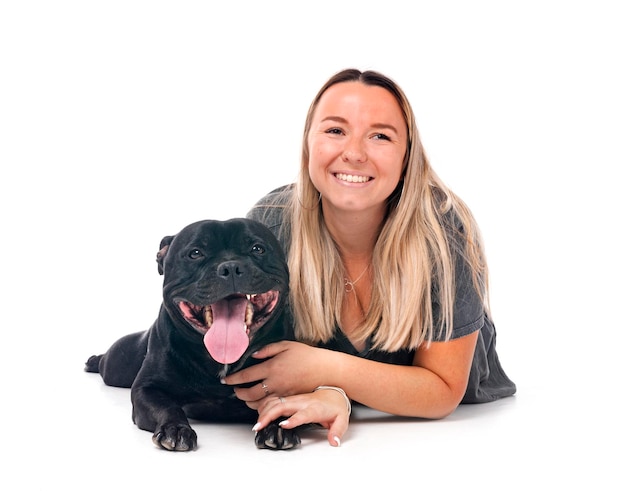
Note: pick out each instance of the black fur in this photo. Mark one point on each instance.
(170, 372)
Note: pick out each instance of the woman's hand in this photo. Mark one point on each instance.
(329, 408)
(290, 368)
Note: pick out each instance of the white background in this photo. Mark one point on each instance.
(122, 121)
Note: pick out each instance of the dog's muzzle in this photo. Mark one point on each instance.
(229, 324)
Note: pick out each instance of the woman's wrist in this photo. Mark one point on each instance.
(340, 391)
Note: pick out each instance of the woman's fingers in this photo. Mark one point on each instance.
(245, 376)
(327, 409)
(337, 429)
(259, 371)
(271, 350)
(272, 408)
(254, 394)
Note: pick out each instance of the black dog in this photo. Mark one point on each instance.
(225, 286)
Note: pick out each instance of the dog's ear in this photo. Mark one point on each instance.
(163, 247)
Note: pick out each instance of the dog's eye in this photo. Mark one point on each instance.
(258, 249)
(195, 254)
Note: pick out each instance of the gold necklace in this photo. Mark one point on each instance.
(349, 284)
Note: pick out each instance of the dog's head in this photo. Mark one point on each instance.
(226, 281)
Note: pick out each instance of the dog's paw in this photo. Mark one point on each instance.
(180, 437)
(274, 437)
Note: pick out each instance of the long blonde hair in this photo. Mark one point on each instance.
(413, 262)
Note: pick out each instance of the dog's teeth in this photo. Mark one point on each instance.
(249, 314)
(208, 316)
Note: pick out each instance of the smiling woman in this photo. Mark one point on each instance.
(357, 142)
(388, 274)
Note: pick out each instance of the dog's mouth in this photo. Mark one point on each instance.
(229, 324)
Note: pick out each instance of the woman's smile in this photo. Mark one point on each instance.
(357, 144)
(352, 178)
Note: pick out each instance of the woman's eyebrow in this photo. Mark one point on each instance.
(384, 126)
(337, 119)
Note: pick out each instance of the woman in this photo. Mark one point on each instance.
(388, 277)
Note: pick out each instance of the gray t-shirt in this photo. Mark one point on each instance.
(487, 380)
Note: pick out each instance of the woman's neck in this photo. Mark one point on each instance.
(355, 233)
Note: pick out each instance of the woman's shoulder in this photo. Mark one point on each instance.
(271, 208)
(278, 197)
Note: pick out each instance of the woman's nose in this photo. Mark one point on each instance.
(354, 151)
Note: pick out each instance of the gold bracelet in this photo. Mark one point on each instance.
(341, 391)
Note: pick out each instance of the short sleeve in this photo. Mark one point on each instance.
(468, 310)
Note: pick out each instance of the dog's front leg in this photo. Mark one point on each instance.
(155, 411)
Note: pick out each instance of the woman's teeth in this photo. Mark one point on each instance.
(352, 178)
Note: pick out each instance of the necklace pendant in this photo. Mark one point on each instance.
(348, 285)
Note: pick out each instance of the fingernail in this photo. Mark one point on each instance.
(338, 440)
(283, 422)
(222, 381)
(256, 427)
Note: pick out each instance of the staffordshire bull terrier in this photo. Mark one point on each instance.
(225, 285)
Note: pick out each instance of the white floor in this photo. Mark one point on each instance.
(70, 431)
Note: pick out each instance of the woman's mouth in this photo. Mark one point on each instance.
(352, 177)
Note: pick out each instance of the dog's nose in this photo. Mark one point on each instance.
(230, 269)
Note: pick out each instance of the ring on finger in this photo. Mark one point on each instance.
(282, 400)
(265, 388)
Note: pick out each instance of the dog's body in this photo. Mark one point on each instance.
(224, 291)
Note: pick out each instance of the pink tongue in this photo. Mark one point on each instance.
(227, 340)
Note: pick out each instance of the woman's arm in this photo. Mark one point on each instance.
(432, 388)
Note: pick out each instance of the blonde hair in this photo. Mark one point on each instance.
(413, 262)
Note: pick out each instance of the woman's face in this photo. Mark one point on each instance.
(357, 142)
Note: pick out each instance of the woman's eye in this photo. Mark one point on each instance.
(334, 131)
(195, 254)
(258, 249)
(381, 136)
